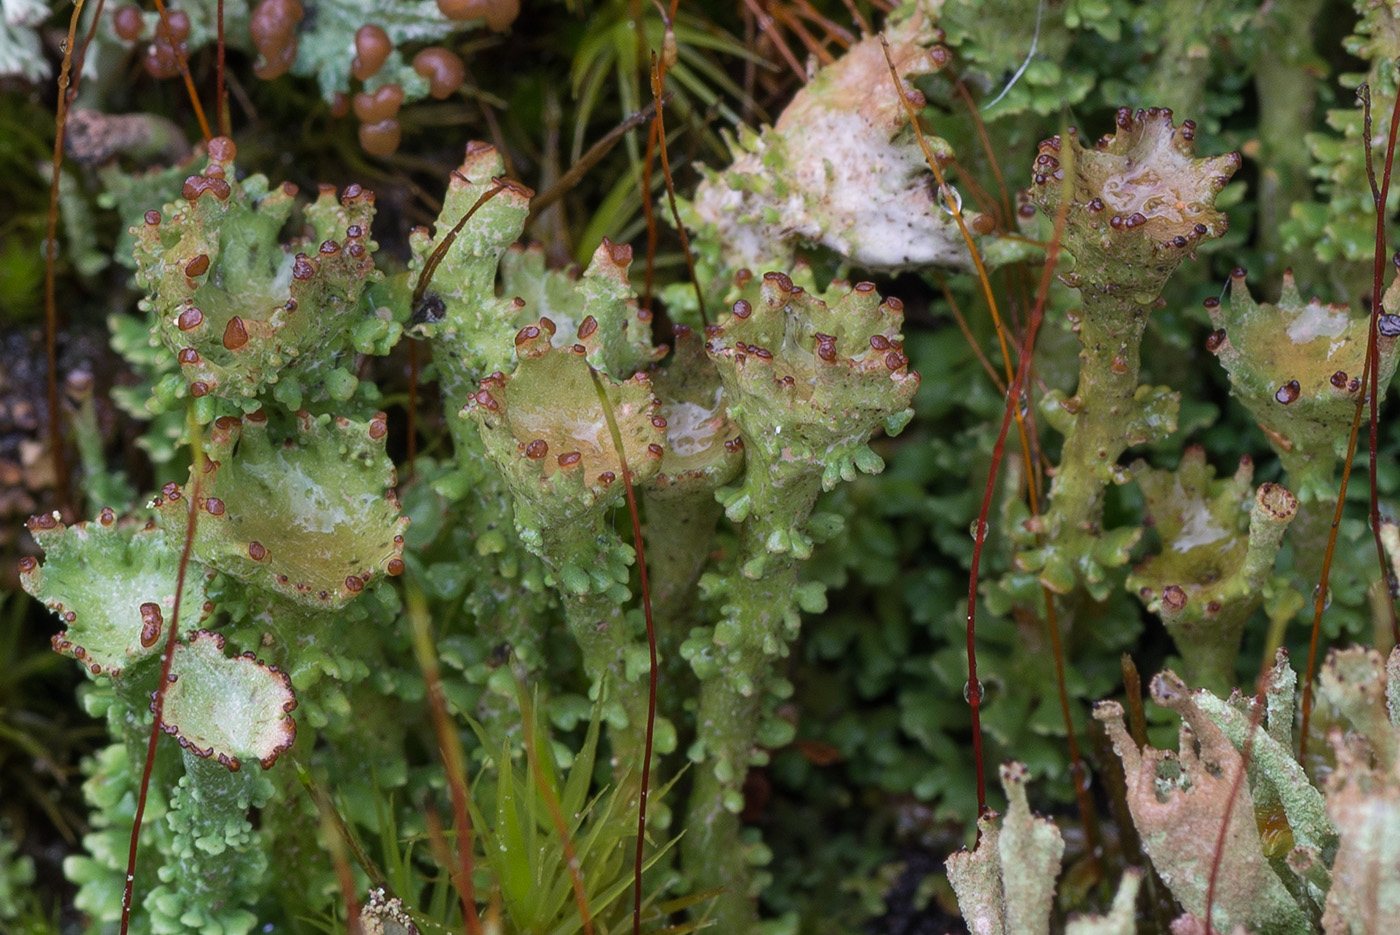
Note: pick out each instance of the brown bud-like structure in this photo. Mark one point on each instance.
(372, 48)
(443, 69)
(273, 28)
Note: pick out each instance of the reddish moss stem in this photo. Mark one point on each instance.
(1013, 395)
(450, 748)
(167, 659)
(651, 648)
(62, 491)
(1369, 379)
(184, 67)
(658, 78)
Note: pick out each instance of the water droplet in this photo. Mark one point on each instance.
(950, 200)
(968, 691)
(973, 530)
(1326, 599)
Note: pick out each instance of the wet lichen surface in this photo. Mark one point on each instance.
(401, 335)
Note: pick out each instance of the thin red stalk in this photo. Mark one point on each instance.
(1256, 715)
(412, 405)
(765, 25)
(1013, 395)
(835, 32)
(167, 658)
(450, 748)
(551, 804)
(184, 70)
(1369, 378)
(219, 74)
(652, 671)
(952, 204)
(81, 57)
(1078, 769)
(437, 844)
(328, 812)
(649, 213)
(440, 251)
(1013, 409)
(657, 78)
(857, 16)
(958, 317)
(1373, 357)
(814, 45)
(986, 142)
(333, 827)
(62, 491)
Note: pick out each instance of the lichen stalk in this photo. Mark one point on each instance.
(1139, 204)
(808, 384)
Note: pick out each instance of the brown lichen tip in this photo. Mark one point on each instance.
(112, 584)
(230, 709)
(1138, 196)
(310, 514)
(545, 429)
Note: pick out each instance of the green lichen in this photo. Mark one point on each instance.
(1212, 571)
(808, 384)
(312, 516)
(113, 585)
(1297, 366)
(243, 315)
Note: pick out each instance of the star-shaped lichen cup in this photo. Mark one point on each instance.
(113, 584)
(545, 428)
(1297, 366)
(1140, 201)
(808, 384)
(312, 516)
(704, 449)
(243, 312)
